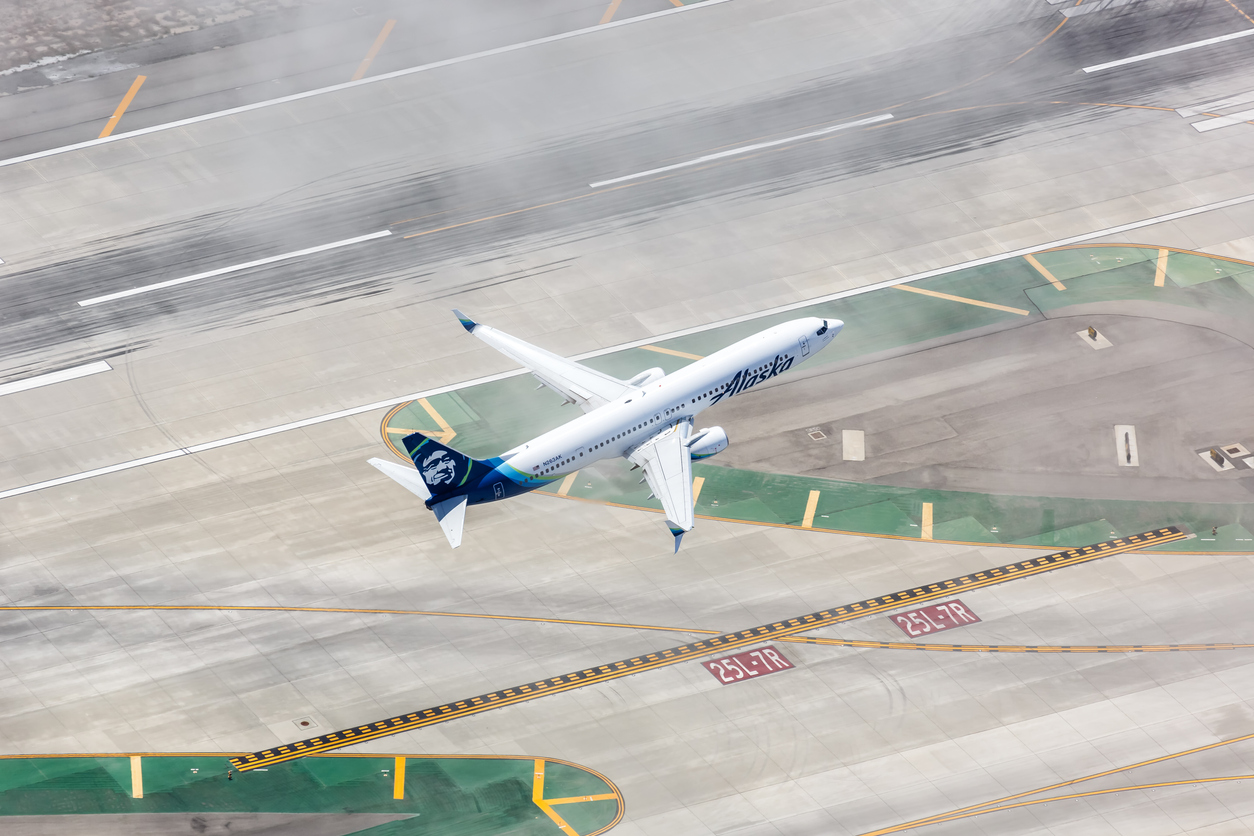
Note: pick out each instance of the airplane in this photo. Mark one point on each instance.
(647, 420)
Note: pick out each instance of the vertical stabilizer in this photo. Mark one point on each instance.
(443, 469)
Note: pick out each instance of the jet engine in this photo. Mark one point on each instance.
(646, 377)
(707, 442)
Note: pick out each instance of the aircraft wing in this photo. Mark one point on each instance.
(668, 468)
(575, 382)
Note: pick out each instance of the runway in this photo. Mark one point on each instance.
(230, 307)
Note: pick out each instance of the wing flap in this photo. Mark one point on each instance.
(588, 388)
(668, 469)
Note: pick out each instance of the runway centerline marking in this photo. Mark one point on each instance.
(683, 332)
(347, 85)
(374, 51)
(54, 377)
(703, 647)
(122, 106)
(964, 300)
(1096, 68)
(235, 268)
(743, 149)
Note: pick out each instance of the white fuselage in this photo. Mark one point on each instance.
(618, 427)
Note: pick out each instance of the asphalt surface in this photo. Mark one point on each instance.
(963, 89)
(997, 142)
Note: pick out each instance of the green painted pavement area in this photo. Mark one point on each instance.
(450, 796)
(490, 418)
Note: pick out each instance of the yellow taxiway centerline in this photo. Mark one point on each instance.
(991, 806)
(610, 11)
(374, 51)
(122, 106)
(671, 352)
(1160, 275)
(537, 796)
(1040, 268)
(964, 300)
(812, 504)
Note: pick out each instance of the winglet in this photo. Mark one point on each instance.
(678, 532)
(467, 323)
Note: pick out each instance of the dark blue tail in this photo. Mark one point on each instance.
(444, 470)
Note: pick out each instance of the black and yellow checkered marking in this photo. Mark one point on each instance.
(704, 647)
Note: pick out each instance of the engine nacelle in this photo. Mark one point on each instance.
(706, 443)
(646, 377)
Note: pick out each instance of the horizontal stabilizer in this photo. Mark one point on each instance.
(407, 477)
(451, 514)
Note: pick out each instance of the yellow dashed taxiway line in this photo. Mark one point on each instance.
(1005, 803)
(704, 647)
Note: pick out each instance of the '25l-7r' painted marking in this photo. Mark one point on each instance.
(935, 619)
(747, 665)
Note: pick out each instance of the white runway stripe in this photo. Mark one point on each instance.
(1244, 33)
(1218, 105)
(1204, 125)
(1090, 8)
(627, 21)
(358, 410)
(744, 149)
(54, 377)
(222, 271)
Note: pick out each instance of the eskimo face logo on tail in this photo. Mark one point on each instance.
(751, 377)
(439, 469)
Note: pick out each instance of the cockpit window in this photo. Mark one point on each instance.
(822, 330)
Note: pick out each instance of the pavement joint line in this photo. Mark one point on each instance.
(743, 149)
(1244, 33)
(701, 647)
(54, 377)
(234, 268)
(683, 332)
(448, 62)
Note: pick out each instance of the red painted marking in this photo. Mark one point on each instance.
(935, 619)
(747, 665)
